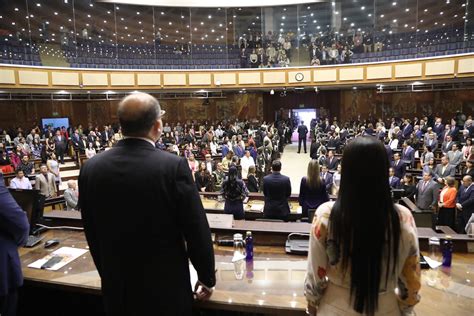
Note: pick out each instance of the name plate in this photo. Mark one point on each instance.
(220, 220)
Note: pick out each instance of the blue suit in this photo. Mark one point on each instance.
(14, 230)
(394, 182)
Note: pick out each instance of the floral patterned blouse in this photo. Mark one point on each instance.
(324, 266)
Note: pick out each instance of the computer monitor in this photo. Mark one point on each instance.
(32, 203)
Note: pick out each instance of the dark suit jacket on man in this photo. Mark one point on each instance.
(400, 168)
(277, 190)
(427, 196)
(142, 229)
(14, 229)
(327, 180)
(60, 142)
(450, 170)
(332, 163)
(466, 199)
(394, 182)
(302, 131)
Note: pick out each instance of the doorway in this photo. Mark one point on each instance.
(305, 115)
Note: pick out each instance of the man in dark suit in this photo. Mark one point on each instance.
(326, 178)
(141, 236)
(332, 161)
(407, 129)
(60, 141)
(438, 128)
(398, 166)
(447, 145)
(14, 229)
(465, 203)
(408, 154)
(277, 190)
(302, 132)
(393, 181)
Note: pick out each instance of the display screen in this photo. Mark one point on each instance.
(55, 122)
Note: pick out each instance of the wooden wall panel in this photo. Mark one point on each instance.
(94, 79)
(125, 79)
(65, 78)
(7, 76)
(148, 79)
(408, 70)
(224, 78)
(439, 68)
(249, 78)
(466, 65)
(27, 77)
(379, 72)
(325, 75)
(351, 74)
(274, 77)
(174, 79)
(199, 79)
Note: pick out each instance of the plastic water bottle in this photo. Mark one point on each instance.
(239, 256)
(447, 251)
(249, 246)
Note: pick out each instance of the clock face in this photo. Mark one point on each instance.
(299, 76)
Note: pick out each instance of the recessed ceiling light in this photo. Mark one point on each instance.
(38, 4)
(382, 15)
(16, 9)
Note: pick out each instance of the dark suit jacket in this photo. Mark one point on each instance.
(252, 184)
(302, 131)
(277, 190)
(332, 164)
(14, 229)
(142, 229)
(399, 169)
(406, 131)
(327, 180)
(438, 129)
(466, 199)
(394, 182)
(60, 144)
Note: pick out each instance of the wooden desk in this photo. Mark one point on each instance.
(213, 205)
(273, 285)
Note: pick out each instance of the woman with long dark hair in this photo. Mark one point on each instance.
(234, 192)
(363, 247)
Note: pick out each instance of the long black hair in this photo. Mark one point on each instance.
(364, 223)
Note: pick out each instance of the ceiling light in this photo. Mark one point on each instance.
(38, 4)
(382, 15)
(362, 8)
(272, 92)
(16, 9)
(394, 3)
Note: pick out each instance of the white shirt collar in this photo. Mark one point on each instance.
(142, 138)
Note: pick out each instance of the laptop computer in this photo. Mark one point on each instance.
(32, 203)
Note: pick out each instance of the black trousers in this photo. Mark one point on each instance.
(304, 144)
(8, 303)
(446, 217)
(60, 154)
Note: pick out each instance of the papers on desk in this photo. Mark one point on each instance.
(69, 254)
(257, 207)
(220, 220)
(432, 263)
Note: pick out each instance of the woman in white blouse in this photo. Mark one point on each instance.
(467, 149)
(363, 247)
(90, 151)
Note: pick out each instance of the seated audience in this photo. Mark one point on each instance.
(347, 256)
(71, 196)
(447, 204)
(234, 192)
(252, 182)
(313, 192)
(20, 181)
(277, 190)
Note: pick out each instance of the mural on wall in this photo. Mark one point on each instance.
(368, 103)
(225, 109)
(172, 112)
